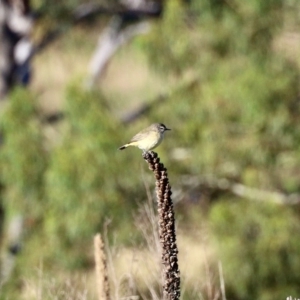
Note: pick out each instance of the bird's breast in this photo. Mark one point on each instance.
(152, 140)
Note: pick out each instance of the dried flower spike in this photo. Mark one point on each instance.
(166, 221)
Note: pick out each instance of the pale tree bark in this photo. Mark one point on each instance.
(15, 27)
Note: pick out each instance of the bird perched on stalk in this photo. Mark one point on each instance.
(149, 138)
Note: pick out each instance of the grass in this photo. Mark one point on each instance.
(133, 271)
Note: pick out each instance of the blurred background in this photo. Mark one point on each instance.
(80, 78)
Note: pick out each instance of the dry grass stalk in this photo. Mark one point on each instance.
(101, 269)
(166, 225)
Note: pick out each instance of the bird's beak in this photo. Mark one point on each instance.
(167, 129)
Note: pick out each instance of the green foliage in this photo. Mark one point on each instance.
(258, 248)
(238, 119)
(23, 161)
(167, 51)
(22, 157)
(211, 30)
(85, 179)
(67, 193)
(242, 99)
(244, 27)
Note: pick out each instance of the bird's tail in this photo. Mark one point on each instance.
(124, 147)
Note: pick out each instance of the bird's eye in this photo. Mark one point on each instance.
(162, 128)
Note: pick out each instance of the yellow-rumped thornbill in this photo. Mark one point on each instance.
(149, 138)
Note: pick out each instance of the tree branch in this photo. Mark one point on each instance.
(240, 190)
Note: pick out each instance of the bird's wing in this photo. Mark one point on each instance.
(139, 136)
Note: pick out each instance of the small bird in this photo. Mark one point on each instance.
(149, 138)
